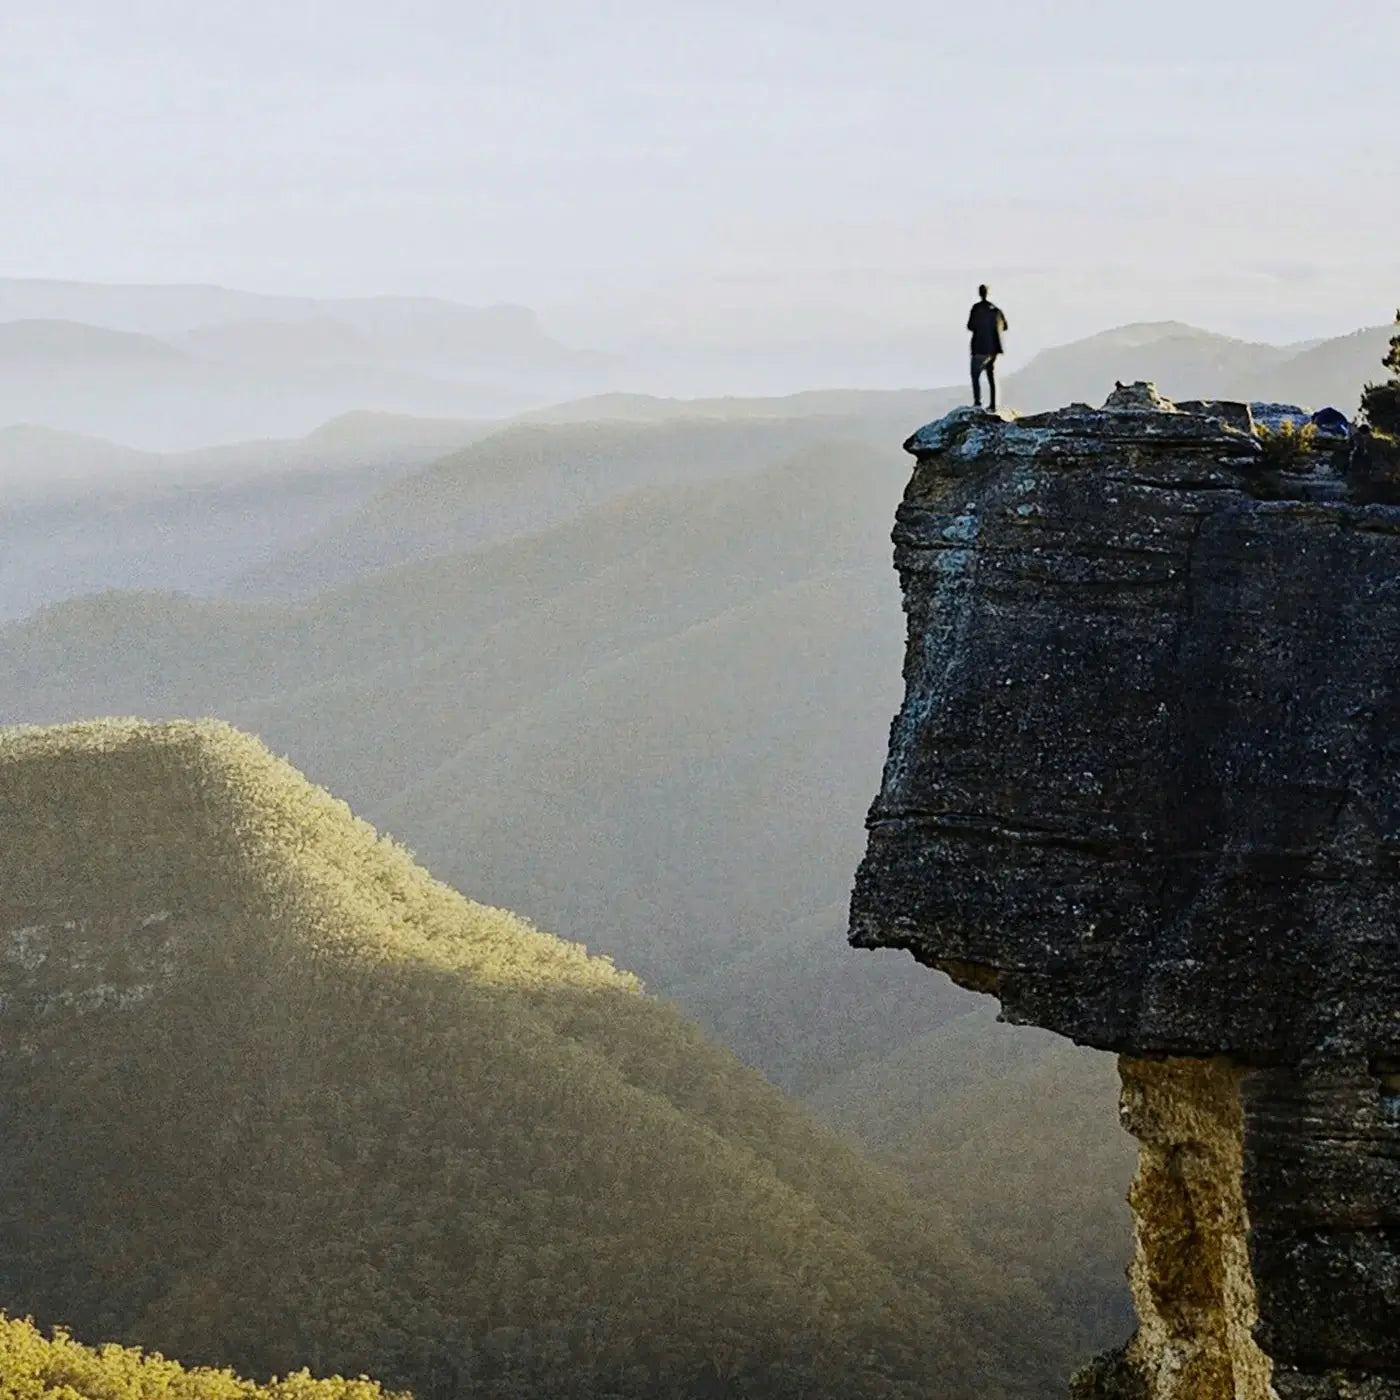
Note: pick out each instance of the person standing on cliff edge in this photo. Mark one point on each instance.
(986, 323)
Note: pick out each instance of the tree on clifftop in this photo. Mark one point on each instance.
(1381, 402)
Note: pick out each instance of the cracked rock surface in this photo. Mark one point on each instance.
(1145, 788)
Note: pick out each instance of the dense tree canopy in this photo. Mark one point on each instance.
(274, 1098)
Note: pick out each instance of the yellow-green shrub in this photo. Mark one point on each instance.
(1287, 447)
(36, 1367)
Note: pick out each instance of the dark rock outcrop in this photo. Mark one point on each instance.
(1145, 788)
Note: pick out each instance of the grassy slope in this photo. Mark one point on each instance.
(279, 1097)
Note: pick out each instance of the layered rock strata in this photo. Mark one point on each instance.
(1145, 789)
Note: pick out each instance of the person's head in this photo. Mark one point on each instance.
(982, 291)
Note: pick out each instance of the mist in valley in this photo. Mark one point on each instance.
(499, 416)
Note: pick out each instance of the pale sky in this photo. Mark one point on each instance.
(640, 164)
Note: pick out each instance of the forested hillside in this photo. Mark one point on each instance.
(79, 515)
(529, 477)
(1013, 1132)
(655, 727)
(275, 1097)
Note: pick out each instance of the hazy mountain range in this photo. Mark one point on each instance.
(80, 514)
(176, 367)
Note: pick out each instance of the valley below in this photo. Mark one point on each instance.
(625, 667)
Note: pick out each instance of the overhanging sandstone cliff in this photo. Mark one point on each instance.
(1145, 788)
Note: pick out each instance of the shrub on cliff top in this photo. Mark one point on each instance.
(1287, 447)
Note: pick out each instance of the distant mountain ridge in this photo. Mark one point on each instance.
(41, 341)
(197, 312)
(318, 338)
(526, 477)
(33, 458)
(216, 363)
(79, 514)
(178, 367)
(1185, 362)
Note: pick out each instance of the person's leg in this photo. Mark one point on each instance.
(976, 381)
(992, 382)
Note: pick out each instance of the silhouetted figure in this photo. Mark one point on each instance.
(986, 323)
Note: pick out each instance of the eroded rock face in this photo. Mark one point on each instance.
(1145, 787)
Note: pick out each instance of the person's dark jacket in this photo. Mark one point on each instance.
(986, 323)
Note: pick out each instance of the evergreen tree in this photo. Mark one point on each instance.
(1381, 402)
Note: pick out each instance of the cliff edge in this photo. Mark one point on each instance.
(1145, 789)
